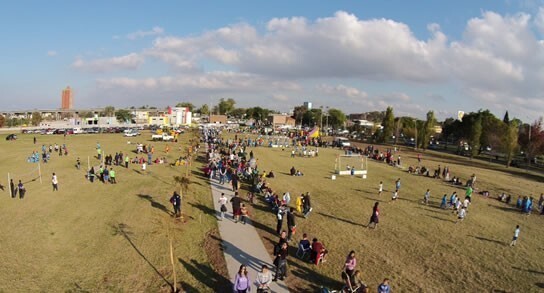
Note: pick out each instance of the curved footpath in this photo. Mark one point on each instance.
(241, 243)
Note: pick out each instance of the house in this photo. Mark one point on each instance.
(218, 119)
(278, 120)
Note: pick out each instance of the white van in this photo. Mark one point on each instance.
(341, 142)
(79, 130)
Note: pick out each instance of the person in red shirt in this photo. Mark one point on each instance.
(318, 251)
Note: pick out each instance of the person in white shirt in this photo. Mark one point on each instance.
(516, 235)
(55, 182)
(461, 215)
(380, 188)
(264, 279)
(223, 202)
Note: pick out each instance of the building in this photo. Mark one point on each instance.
(67, 102)
(218, 119)
(279, 120)
(179, 116)
(307, 105)
(158, 120)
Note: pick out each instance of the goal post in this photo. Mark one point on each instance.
(351, 165)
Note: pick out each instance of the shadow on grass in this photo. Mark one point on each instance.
(501, 243)
(528, 270)
(154, 203)
(339, 219)
(540, 285)
(122, 229)
(310, 274)
(441, 219)
(506, 209)
(205, 209)
(206, 275)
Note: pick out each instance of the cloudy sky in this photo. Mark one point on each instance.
(354, 55)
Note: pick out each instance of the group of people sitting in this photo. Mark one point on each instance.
(315, 250)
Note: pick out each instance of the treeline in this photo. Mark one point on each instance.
(478, 130)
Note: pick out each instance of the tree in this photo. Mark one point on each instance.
(506, 119)
(336, 117)
(183, 182)
(475, 135)
(2, 121)
(224, 106)
(510, 141)
(298, 113)
(388, 124)
(186, 105)
(36, 118)
(238, 113)
(123, 115)
(109, 111)
(203, 110)
(427, 130)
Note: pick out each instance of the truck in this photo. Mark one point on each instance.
(163, 137)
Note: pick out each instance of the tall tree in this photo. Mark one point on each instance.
(109, 111)
(388, 124)
(123, 115)
(36, 118)
(510, 141)
(475, 135)
(2, 121)
(428, 130)
(203, 110)
(298, 113)
(225, 106)
(506, 118)
(187, 105)
(336, 117)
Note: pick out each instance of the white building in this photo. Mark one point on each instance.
(307, 105)
(179, 116)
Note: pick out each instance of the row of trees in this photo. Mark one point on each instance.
(477, 131)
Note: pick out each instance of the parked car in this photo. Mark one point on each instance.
(131, 133)
(163, 137)
(11, 137)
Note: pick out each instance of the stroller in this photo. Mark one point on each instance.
(351, 286)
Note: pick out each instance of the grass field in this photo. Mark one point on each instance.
(102, 237)
(420, 248)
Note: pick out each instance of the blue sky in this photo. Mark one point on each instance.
(354, 55)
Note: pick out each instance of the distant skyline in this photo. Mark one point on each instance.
(357, 56)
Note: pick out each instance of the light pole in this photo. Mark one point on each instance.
(415, 127)
(321, 122)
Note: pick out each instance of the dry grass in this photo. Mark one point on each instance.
(101, 237)
(420, 248)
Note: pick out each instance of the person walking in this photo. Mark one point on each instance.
(12, 189)
(112, 176)
(375, 217)
(397, 184)
(223, 202)
(279, 216)
(55, 182)
(281, 262)
(21, 189)
(126, 161)
(244, 213)
(291, 226)
(380, 188)
(307, 205)
(242, 284)
(264, 279)
(427, 197)
(175, 200)
(516, 235)
(236, 203)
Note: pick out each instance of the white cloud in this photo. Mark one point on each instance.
(127, 62)
(51, 53)
(498, 58)
(155, 31)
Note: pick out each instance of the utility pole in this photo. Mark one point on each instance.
(415, 126)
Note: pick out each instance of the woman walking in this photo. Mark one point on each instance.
(223, 202)
(375, 218)
(241, 281)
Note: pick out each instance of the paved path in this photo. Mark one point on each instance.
(241, 243)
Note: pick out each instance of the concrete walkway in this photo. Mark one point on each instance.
(241, 243)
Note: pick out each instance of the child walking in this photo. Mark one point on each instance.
(516, 235)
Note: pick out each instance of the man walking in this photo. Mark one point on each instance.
(12, 189)
(236, 210)
(175, 200)
(291, 226)
(112, 176)
(55, 182)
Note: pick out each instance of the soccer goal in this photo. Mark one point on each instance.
(31, 176)
(351, 165)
